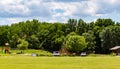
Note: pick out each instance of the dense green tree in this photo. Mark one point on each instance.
(23, 44)
(50, 36)
(75, 43)
(90, 39)
(72, 23)
(104, 22)
(81, 27)
(100, 24)
(110, 37)
(90, 26)
(33, 42)
(4, 31)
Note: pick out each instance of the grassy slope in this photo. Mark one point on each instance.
(27, 62)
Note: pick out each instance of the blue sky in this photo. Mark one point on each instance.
(13, 11)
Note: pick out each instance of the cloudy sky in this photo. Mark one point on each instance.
(13, 11)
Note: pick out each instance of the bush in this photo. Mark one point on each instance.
(23, 44)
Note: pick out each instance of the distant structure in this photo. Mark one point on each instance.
(116, 50)
(83, 54)
(56, 53)
(64, 51)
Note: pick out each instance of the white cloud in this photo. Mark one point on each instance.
(57, 10)
(75, 9)
(113, 2)
(13, 8)
(8, 21)
(23, 8)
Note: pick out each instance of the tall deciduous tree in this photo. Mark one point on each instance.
(72, 23)
(110, 37)
(81, 27)
(104, 22)
(75, 43)
(90, 39)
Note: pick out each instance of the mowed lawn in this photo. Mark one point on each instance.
(28, 62)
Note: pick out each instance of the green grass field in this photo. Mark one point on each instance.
(28, 62)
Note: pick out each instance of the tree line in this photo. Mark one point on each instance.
(76, 35)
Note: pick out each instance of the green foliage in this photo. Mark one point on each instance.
(31, 51)
(33, 42)
(51, 36)
(90, 39)
(23, 44)
(72, 25)
(104, 22)
(75, 43)
(81, 27)
(110, 37)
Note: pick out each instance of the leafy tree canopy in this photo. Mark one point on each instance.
(75, 43)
